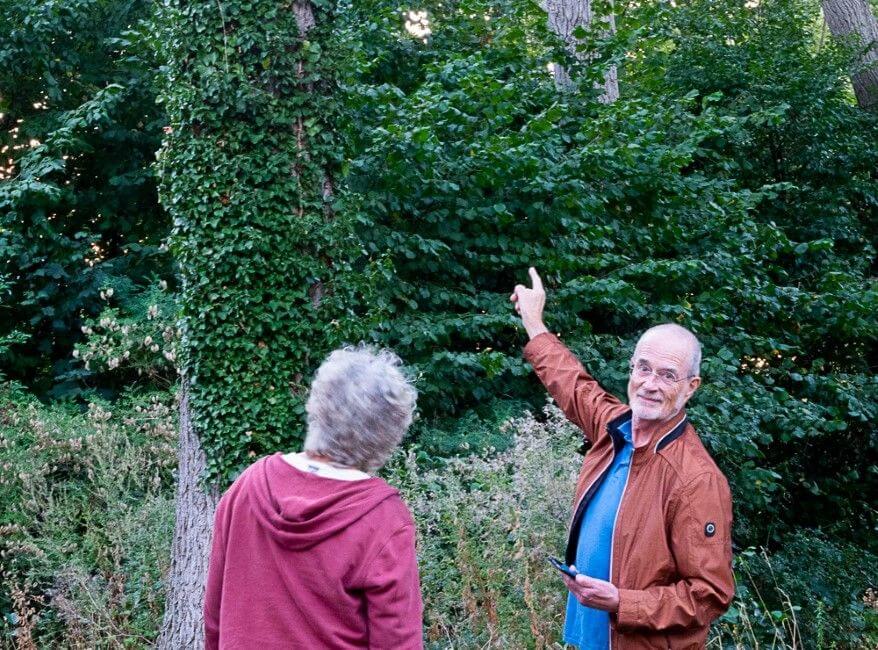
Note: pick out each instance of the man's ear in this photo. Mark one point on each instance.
(694, 383)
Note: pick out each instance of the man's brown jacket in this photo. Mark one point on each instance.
(671, 556)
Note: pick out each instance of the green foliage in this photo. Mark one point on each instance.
(482, 557)
(135, 339)
(829, 577)
(731, 189)
(248, 174)
(9, 338)
(486, 582)
(78, 128)
(476, 430)
(86, 525)
(776, 68)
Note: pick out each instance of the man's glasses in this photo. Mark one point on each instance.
(666, 377)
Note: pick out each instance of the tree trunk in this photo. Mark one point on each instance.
(565, 16)
(854, 19)
(183, 624)
(304, 12)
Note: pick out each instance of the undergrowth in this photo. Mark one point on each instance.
(88, 512)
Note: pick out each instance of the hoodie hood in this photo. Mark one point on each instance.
(300, 509)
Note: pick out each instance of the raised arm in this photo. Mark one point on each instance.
(575, 391)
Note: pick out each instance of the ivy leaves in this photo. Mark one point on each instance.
(246, 173)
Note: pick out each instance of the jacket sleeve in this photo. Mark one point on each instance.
(576, 392)
(214, 585)
(393, 595)
(702, 546)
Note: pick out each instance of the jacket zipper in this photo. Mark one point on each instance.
(586, 491)
(613, 534)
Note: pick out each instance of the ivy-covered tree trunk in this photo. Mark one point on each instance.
(246, 173)
(565, 17)
(854, 19)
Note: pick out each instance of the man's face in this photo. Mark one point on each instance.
(661, 393)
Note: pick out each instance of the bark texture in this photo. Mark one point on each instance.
(564, 17)
(183, 624)
(304, 12)
(853, 19)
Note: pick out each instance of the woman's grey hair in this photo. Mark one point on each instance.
(359, 408)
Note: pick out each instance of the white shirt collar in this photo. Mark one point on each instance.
(301, 462)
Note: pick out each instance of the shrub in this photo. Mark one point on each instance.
(87, 520)
(486, 524)
(487, 521)
(830, 580)
(132, 340)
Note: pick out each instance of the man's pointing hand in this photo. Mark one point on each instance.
(530, 303)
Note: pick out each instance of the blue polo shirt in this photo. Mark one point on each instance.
(584, 627)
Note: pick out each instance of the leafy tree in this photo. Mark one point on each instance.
(730, 189)
(78, 209)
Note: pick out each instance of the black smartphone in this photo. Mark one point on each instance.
(563, 568)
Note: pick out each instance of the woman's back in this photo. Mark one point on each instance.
(305, 557)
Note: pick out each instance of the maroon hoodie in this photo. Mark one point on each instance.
(304, 561)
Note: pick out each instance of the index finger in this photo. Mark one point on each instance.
(535, 279)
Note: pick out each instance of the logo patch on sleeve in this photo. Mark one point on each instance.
(710, 529)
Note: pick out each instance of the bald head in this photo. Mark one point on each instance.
(676, 336)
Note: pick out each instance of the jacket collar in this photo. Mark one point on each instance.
(663, 436)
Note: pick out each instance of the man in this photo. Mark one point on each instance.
(651, 526)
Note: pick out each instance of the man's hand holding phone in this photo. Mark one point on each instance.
(591, 592)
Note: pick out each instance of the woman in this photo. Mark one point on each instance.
(311, 550)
